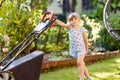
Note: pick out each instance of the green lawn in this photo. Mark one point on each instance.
(103, 70)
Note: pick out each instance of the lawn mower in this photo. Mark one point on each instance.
(29, 66)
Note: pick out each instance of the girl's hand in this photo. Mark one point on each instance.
(86, 51)
(60, 23)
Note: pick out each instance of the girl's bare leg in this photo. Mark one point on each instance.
(80, 63)
(86, 71)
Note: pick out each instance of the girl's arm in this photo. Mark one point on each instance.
(60, 23)
(85, 40)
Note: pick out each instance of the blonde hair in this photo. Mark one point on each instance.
(73, 15)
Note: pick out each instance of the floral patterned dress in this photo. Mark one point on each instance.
(77, 44)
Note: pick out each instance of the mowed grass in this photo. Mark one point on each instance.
(108, 69)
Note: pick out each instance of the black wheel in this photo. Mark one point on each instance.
(6, 75)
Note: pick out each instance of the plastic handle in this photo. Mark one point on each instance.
(51, 17)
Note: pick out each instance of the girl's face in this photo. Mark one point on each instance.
(74, 21)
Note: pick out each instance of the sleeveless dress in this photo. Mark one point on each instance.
(77, 44)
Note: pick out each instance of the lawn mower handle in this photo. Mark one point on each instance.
(51, 17)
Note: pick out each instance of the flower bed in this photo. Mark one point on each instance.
(89, 59)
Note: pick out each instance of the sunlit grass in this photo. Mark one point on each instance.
(103, 70)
